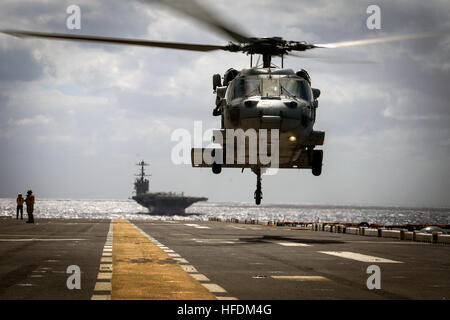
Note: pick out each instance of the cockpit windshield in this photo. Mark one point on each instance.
(270, 88)
(290, 87)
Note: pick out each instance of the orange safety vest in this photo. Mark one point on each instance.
(20, 201)
(30, 200)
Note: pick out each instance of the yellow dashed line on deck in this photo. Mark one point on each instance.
(142, 270)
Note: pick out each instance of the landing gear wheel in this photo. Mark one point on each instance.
(216, 168)
(317, 157)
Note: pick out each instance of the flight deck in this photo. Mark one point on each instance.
(184, 260)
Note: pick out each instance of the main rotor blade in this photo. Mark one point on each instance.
(207, 17)
(382, 39)
(109, 40)
(330, 58)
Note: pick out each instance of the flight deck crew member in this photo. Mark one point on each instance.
(30, 206)
(20, 200)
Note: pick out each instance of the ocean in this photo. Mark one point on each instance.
(128, 209)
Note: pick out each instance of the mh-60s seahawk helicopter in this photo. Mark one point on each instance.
(260, 97)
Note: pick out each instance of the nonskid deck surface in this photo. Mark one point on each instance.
(122, 259)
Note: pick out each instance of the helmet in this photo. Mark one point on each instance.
(19, 194)
(29, 192)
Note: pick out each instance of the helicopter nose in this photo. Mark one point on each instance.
(270, 107)
(270, 113)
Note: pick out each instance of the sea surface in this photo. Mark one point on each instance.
(128, 209)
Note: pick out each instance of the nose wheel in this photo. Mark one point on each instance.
(258, 192)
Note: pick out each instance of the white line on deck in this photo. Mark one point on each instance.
(102, 286)
(358, 257)
(217, 241)
(189, 268)
(293, 244)
(196, 226)
(104, 276)
(199, 277)
(214, 288)
(100, 297)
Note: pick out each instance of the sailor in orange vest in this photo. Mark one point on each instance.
(20, 200)
(30, 206)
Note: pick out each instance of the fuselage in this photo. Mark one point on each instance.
(272, 99)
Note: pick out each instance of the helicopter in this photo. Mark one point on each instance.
(261, 97)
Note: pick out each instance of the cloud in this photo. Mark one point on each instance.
(37, 120)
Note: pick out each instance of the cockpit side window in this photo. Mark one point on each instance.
(295, 87)
(252, 87)
(230, 91)
(241, 88)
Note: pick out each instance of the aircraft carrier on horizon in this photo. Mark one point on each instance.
(161, 203)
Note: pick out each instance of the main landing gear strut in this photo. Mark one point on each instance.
(258, 192)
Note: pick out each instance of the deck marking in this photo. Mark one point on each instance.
(181, 260)
(155, 278)
(106, 267)
(236, 227)
(100, 297)
(189, 268)
(102, 286)
(248, 227)
(293, 244)
(359, 257)
(202, 279)
(174, 255)
(37, 239)
(196, 226)
(217, 241)
(301, 278)
(214, 288)
(104, 275)
(199, 277)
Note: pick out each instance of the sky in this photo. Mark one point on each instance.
(75, 118)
